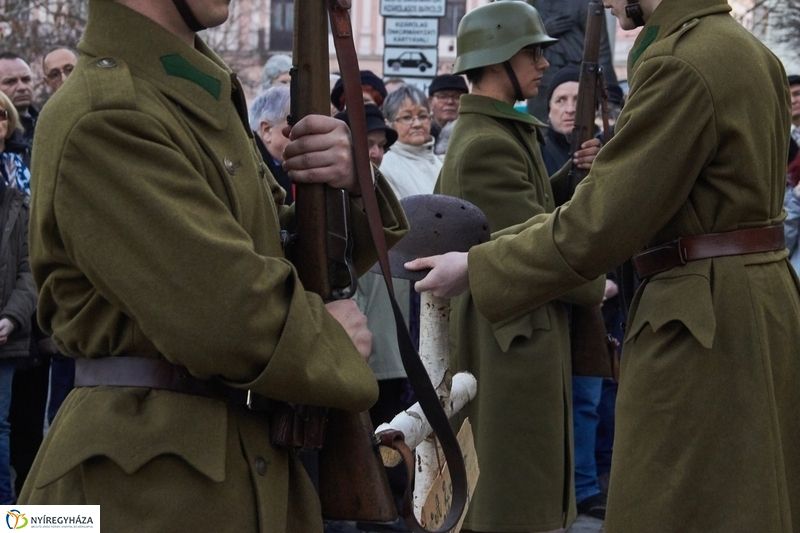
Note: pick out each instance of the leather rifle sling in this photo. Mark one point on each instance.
(423, 389)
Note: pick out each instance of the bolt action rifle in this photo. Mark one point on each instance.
(352, 481)
(594, 352)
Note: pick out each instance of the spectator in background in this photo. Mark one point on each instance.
(794, 93)
(57, 65)
(410, 167)
(444, 93)
(379, 136)
(16, 81)
(566, 20)
(562, 100)
(268, 114)
(372, 88)
(17, 290)
(276, 71)
(32, 373)
(791, 203)
(392, 84)
(13, 170)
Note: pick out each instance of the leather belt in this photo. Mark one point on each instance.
(695, 247)
(129, 371)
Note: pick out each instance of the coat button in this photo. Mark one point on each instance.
(229, 165)
(261, 466)
(107, 62)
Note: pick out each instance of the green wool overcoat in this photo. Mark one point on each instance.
(521, 416)
(155, 233)
(707, 412)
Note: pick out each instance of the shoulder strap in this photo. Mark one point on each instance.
(428, 399)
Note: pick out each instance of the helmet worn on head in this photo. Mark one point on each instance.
(492, 33)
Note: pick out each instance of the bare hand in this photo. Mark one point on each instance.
(6, 329)
(584, 157)
(347, 313)
(448, 276)
(320, 151)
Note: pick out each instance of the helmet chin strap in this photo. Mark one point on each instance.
(514, 81)
(187, 16)
(634, 12)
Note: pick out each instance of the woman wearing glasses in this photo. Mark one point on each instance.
(13, 172)
(411, 167)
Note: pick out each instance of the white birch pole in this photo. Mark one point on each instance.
(434, 353)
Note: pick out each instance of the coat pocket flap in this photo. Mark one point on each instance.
(133, 426)
(520, 326)
(685, 299)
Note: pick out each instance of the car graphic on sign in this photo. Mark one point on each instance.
(410, 60)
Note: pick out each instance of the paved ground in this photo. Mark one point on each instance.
(586, 524)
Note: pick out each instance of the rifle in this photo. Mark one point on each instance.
(594, 352)
(352, 481)
(349, 465)
(591, 87)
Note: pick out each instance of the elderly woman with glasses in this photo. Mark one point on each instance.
(411, 167)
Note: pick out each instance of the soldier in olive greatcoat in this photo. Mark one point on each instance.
(155, 244)
(707, 425)
(521, 417)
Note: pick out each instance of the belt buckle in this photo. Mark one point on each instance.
(248, 401)
(682, 252)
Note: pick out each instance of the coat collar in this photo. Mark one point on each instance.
(195, 78)
(668, 17)
(483, 105)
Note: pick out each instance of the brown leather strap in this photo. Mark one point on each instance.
(693, 248)
(124, 371)
(417, 376)
(396, 440)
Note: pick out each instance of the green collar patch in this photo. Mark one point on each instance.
(649, 36)
(178, 66)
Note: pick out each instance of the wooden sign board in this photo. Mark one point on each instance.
(440, 496)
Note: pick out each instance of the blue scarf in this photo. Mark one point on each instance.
(14, 173)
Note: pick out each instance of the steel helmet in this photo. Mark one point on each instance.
(439, 224)
(493, 33)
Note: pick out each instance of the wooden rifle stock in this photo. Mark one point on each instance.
(352, 480)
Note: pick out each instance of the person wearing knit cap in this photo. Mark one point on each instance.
(444, 92)
(562, 99)
(379, 136)
(372, 88)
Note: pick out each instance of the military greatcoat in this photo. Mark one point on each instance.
(707, 425)
(155, 233)
(521, 416)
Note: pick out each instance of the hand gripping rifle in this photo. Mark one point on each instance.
(352, 480)
(594, 352)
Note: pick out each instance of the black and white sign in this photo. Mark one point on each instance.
(411, 32)
(420, 62)
(412, 8)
